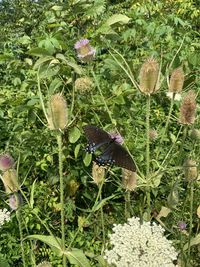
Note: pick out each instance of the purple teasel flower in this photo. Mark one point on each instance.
(117, 137)
(84, 50)
(6, 162)
(182, 225)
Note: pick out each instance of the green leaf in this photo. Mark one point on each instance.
(76, 150)
(87, 159)
(40, 52)
(117, 18)
(32, 194)
(53, 242)
(193, 242)
(74, 135)
(76, 256)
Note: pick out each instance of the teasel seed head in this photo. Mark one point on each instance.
(188, 108)
(98, 173)
(129, 179)
(83, 85)
(6, 162)
(195, 134)
(57, 112)
(153, 134)
(44, 264)
(176, 81)
(190, 170)
(10, 181)
(149, 74)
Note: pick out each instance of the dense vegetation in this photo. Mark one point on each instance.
(37, 60)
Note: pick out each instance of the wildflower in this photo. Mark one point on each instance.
(188, 108)
(191, 171)
(44, 264)
(182, 225)
(176, 81)
(57, 112)
(117, 137)
(153, 134)
(10, 181)
(4, 216)
(85, 51)
(15, 200)
(98, 173)
(6, 162)
(83, 85)
(149, 76)
(136, 244)
(129, 179)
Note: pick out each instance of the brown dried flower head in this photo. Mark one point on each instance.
(98, 173)
(83, 85)
(10, 181)
(188, 108)
(153, 134)
(57, 112)
(129, 179)
(176, 81)
(190, 169)
(149, 76)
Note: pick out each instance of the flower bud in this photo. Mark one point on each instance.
(191, 171)
(188, 108)
(149, 76)
(44, 264)
(15, 200)
(57, 112)
(195, 134)
(6, 162)
(98, 173)
(176, 81)
(10, 181)
(83, 85)
(153, 135)
(129, 179)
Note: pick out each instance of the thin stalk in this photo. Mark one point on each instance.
(127, 204)
(148, 105)
(191, 219)
(102, 223)
(18, 215)
(59, 142)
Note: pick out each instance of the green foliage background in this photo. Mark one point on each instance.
(39, 36)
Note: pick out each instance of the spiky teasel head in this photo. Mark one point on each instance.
(188, 108)
(176, 81)
(6, 162)
(149, 76)
(98, 173)
(190, 169)
(83, 85)
(129, 179)
(195, 134)
(153, 134)
(57, 112)
(44, 264)
(10, 181)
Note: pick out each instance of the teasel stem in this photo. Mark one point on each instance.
(59, 142)
(18, 215)
(127, 204)
(148, 105)
(102, 222)
(102, 97)
(191, 219)
(166, 125)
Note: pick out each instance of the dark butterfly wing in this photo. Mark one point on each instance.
(96, 137)
(116, 154)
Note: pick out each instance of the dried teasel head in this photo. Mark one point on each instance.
(129, 179)
(149, 74)
(176, 81)
(98, 173)
(188, 108)
(190, 170)
(83, 85)
(10, 181)
(57, 112)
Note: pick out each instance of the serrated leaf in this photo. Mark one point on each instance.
(117, 18)
(74, 135)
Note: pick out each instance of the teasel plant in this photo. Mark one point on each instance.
(57, 117)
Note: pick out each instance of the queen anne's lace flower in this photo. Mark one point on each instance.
(140, 245)
(4, 216)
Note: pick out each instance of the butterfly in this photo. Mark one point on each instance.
(111, 151)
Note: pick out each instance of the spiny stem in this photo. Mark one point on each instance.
(191, 219)
(127, 204)
(148, 103)
(59, 142)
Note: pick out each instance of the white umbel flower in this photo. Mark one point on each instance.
(4, 216)
(140, 245)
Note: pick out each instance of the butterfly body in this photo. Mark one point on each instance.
(111, 151)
